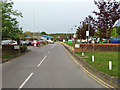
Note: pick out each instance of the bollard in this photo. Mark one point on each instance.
(93, 58)
(82, 53)
(110, 65)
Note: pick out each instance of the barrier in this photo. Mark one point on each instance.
(89, 47)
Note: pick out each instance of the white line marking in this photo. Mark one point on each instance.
(53, 46)
(48, 51)
(25, 81)
(42, 61)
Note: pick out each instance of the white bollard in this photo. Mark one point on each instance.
(110, 65)
(82, 53)
(93, 58)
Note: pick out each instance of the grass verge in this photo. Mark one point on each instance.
(102, 61)
(70, 44)
(5, 57)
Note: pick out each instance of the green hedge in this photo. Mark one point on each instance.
(23, 48)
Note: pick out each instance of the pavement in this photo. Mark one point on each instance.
(49, 66)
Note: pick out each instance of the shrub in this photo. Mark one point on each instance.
(23, 48)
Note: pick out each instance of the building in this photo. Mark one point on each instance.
(46, 37)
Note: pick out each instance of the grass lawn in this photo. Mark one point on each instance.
(102, 61)
(71, 44)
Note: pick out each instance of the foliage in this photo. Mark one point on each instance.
(10, 25)
(87, 25)
(23, 48)
(108, 14)
(43, 33)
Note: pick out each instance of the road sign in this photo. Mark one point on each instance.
(87, 33)
(69, 41)
(16, 47)
(77, 46)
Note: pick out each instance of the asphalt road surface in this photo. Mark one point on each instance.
(49, 66)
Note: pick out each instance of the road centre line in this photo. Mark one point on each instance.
(53, 46)
(91, 75)
(25, 81)
(41, 61)
(48, 51)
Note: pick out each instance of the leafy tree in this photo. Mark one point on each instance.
(87, 25)
(43, 33)
(10, 25)
(108, 14)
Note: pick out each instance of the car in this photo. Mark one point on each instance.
(23, 42)
(12, 43)
(37, 42)
(114, 40)
(8, 42)
(50, 41)
(101, 40)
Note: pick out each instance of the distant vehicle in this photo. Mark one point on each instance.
(8, 42)
(50, 41)
(101, 40)
(12, 43)
(37, 42)
(23, 42)
(84, 40)
(28, 42)
(114, 40)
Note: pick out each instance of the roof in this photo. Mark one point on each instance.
(46, 36)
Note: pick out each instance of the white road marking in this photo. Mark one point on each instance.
(48, 51)
(53, 46)
(42, 61)
(25, 81)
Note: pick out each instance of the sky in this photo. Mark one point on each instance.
(53, 16)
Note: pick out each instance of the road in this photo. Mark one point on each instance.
(49, 66)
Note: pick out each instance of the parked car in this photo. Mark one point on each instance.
(114, 40)
(101, 40)
(37, 42)
(23, 42)
(8, 42)
(12, 43)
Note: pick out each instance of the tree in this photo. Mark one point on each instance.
(10, 25)
(43, 33)
(87, 25)
(108, 14)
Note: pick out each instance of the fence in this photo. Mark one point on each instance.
(89, 47)
(9, 49)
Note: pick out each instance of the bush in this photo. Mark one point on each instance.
(44, 43)
(23, 48)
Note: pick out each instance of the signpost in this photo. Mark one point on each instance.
(69, 41)
(87, 34)
(17, 47)
(77, 46)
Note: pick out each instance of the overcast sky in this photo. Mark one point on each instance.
(53, 16)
